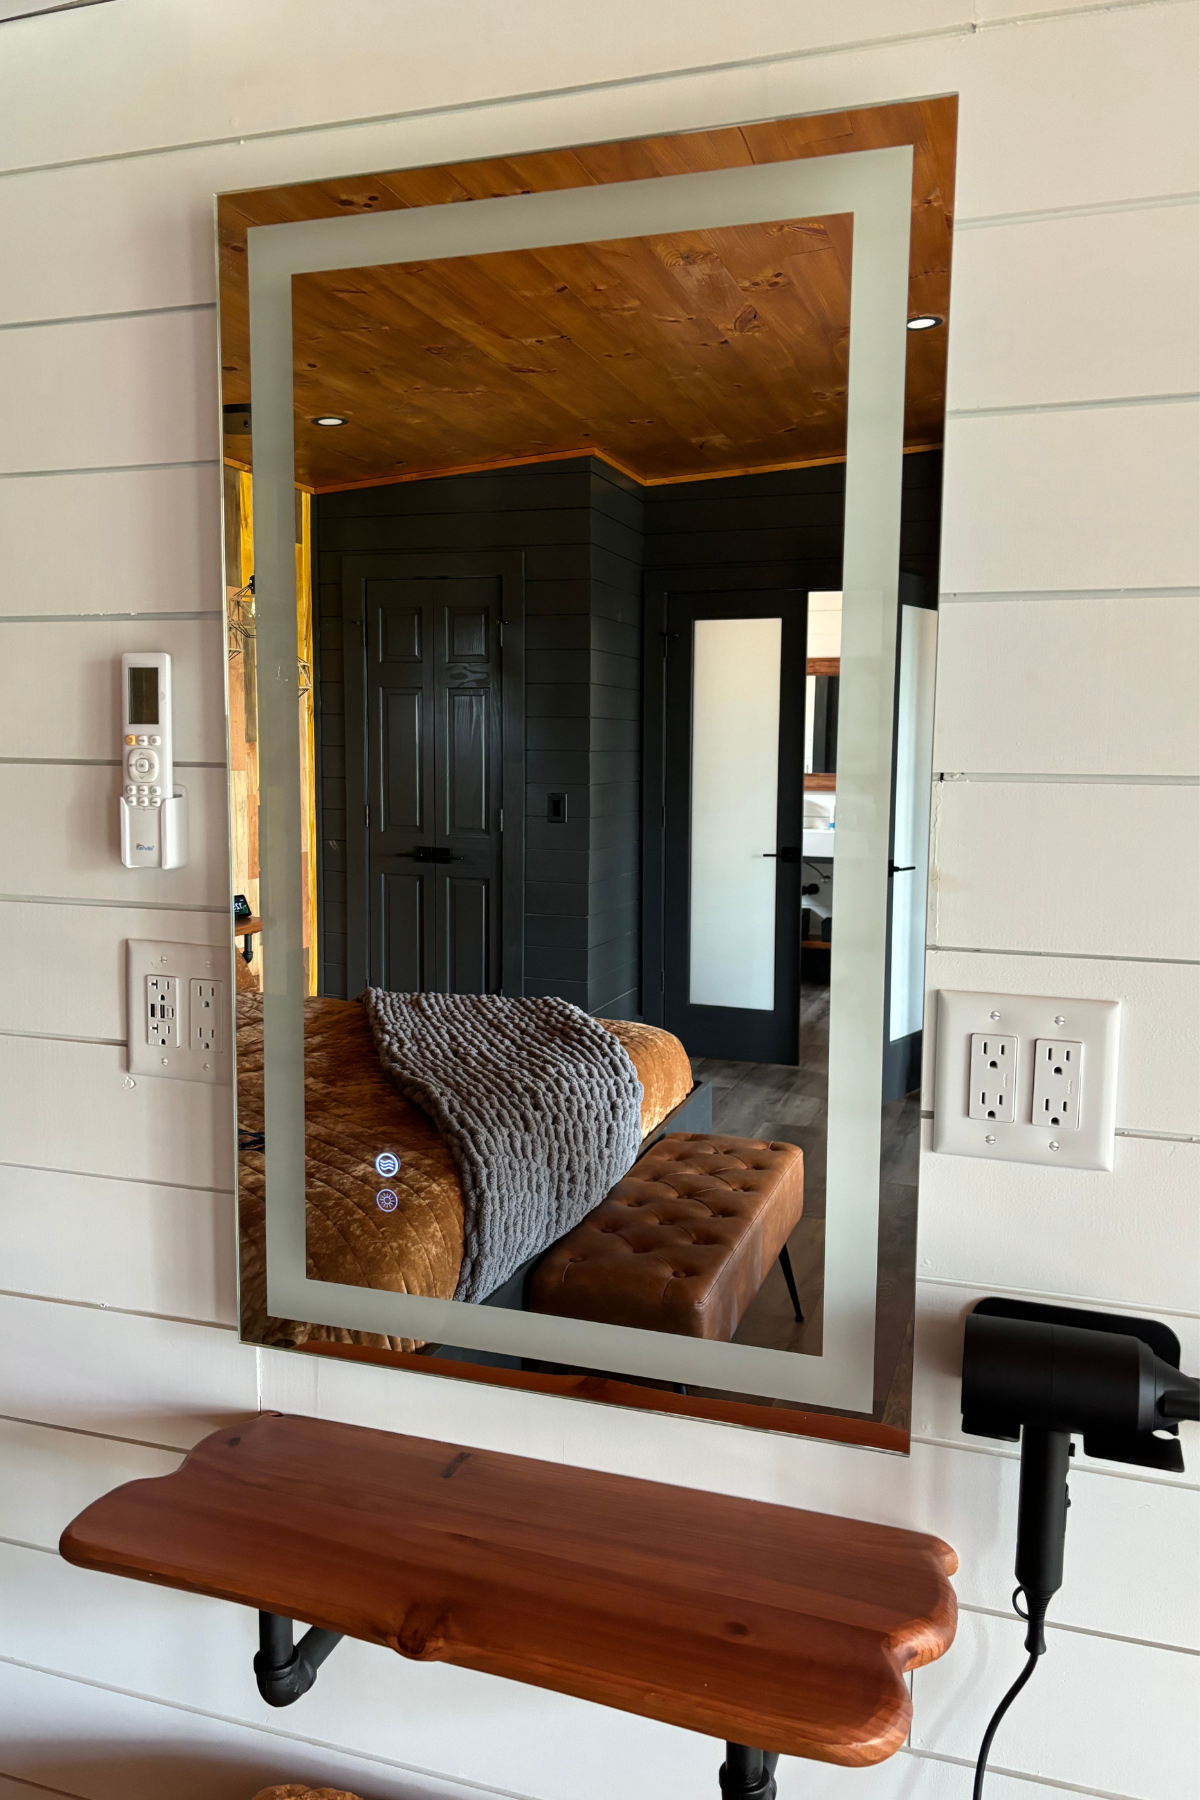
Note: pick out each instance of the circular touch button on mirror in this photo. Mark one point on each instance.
(386, 1200)
(387, 1163)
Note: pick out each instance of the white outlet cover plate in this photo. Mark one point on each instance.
(1093, 1023)
(203, 962)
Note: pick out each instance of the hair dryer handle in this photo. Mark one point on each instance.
(1042, 1523)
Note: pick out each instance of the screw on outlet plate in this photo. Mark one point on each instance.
(989, 1139)
(1060, 1019)
(1054, 1146)
(994, 1015)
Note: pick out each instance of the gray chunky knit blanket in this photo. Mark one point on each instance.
(540, 1105)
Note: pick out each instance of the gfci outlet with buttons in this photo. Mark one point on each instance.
(178, 1005)
(1022, 1078)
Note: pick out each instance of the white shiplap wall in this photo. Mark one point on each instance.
(1065, 852)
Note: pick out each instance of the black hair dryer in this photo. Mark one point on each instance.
(1041, 1374)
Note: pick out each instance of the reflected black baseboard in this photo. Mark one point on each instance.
(901, 1067)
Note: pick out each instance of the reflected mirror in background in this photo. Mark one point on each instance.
(581, 600)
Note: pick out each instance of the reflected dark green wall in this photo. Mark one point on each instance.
(587, 534)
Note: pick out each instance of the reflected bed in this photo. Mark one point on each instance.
(352, 1111)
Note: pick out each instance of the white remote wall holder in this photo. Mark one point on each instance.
(153, 810)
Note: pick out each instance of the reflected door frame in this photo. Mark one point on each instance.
(901, 1055)
(508, 566)
(659, 588)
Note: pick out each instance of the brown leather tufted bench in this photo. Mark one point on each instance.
(684, 1242)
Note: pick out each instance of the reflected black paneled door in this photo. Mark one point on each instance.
(433, 751)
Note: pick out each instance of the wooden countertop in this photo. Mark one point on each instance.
(757, 1624)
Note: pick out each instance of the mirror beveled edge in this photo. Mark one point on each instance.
(928, 126)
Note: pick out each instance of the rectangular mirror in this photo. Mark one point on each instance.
(581, 526)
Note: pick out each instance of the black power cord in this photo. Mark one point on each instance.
(1035, 1643)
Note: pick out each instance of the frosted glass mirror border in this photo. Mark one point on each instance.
(875, 187)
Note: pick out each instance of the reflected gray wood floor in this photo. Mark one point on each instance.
(788, 1105)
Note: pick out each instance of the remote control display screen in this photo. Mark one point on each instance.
(143, 696)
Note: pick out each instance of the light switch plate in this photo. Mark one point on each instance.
(1091, 1025)
(198, 978)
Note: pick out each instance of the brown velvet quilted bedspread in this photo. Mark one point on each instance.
(352, 1111)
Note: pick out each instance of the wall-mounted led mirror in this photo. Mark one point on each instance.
(581, 529)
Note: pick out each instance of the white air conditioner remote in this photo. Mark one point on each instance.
(148, 792)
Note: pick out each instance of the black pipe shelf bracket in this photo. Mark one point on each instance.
(748, 1774)
(284, 1670)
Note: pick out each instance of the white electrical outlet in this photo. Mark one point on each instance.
(1059, 1107)
(160, 1019)
(1057, 1083)
(206, 1003)
(160, 981)
(993, 1093)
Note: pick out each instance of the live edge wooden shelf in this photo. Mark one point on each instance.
(762, 1625)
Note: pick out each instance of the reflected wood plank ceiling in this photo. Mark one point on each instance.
(703, 353)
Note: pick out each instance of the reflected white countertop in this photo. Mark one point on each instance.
(818, 843)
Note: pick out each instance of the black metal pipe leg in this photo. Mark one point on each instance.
(248, 947)
(285, 1670)
(785, 1263)
(748, 1774)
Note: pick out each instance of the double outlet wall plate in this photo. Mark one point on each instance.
(1026, 1078)
(179, 1000)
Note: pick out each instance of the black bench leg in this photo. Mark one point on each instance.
(785, 1263)
(285, 1671)
(748, 1774)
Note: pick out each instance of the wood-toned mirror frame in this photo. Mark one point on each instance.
(929, 127)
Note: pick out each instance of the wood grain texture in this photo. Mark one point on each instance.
(759, 1624)
(694, 354)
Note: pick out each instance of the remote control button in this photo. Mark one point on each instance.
(130, 789)
(156, 740)
(143, 740)
(131, 740)
(144, 763)
(156, 802)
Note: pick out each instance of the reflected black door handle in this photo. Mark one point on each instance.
(901, 869)
(432, 853)
(786, 853)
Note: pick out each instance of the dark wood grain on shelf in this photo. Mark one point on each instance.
(760, 1624)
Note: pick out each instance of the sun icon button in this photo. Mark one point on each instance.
(386, 1200)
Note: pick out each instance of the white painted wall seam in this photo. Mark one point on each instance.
(122, 1312)
(1100, 209)
(1118, 956)
(1105, 403)
(187, 1187)
(969, 27)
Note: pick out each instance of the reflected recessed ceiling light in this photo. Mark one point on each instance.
(925, 321)
(328, 419)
